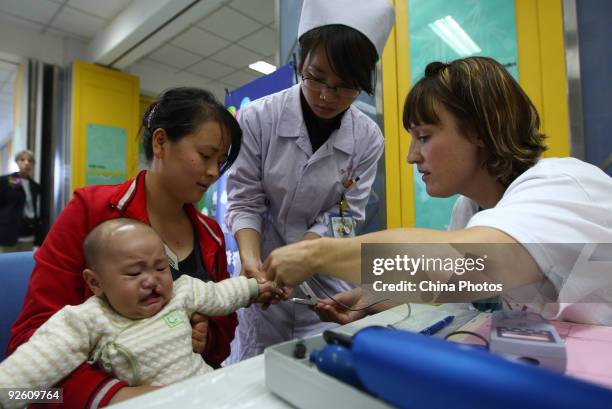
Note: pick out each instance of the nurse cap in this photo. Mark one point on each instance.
(372, 18)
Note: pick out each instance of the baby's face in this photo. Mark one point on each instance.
(136, 277)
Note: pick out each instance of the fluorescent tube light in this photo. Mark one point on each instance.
(454, 36)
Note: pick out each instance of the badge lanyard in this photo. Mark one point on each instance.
(343, 224)
(342, 208)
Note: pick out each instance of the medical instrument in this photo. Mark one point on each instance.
(337, 361)
(397, 367)
(311, 297)
(527, 337)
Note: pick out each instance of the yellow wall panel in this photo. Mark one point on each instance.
(529, 55)
(554, 78)
(403, 86)
(104, 97)
(396, 82)
(392, 152)
(542, 72)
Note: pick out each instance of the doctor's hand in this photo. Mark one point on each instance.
(328, 310)
(291, 265)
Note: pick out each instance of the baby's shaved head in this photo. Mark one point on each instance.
(97, 242)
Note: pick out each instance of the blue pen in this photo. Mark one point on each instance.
(432, 329)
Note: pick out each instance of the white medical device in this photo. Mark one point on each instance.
(529, 338)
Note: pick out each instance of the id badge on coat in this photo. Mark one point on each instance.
(342, 226)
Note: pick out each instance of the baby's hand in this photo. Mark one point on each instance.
(269, 293)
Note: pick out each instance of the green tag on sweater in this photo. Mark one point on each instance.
(173, 318)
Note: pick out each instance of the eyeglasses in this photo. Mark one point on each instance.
(318, 85)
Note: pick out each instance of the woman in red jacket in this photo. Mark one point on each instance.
(190, 140)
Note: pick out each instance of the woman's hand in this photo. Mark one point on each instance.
(253, 268)
(291, 265)
(199, 332)
(328, 310)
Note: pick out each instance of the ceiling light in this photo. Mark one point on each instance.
(263, 67)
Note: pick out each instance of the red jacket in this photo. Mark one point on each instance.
(57, 279)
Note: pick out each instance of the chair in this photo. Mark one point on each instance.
(15, 270)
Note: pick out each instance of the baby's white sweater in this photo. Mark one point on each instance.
(152, 351)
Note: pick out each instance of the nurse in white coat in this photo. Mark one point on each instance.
(308, 159)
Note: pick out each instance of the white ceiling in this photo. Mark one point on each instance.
(213, 52)
(80, 19)
(217, 49)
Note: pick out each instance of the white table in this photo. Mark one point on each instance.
(242, 385)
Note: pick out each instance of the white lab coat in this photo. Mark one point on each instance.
(279, 188)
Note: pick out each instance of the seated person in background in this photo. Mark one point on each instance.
(136, 326)
(476, 133)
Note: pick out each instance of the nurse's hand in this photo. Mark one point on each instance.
(291, 265)
(253, 268)
(328, 310)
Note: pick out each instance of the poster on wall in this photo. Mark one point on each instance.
(441, 30)
(106, 155)
(214, 201)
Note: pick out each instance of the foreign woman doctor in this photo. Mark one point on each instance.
(475, 133)
(308, 160)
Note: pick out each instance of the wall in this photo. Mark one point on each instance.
(289, 16)
(27, 42)
(594, 34)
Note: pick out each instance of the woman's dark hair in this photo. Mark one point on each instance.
(350, 54)
(179, 111)
(486, 102)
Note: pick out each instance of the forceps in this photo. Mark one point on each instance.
(311, 297)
